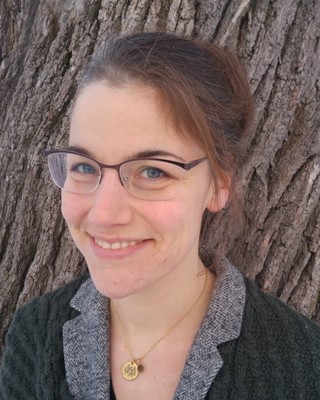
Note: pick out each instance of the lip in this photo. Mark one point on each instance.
(116, 248)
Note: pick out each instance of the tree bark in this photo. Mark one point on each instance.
(44, 47)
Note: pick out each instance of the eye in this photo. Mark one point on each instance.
(152, 173)
(82, 168)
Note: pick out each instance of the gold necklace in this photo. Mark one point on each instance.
(132, 369)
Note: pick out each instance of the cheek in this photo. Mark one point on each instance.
(73, 209)
(164, 215)
(175, 218)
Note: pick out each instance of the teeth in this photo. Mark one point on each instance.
(116, 245)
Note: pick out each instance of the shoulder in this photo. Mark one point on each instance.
(61, 295)
(281, 342)
(267, 313)
(276, 356)
(51, 308)
(33, 360)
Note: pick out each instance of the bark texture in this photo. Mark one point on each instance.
(44, 46)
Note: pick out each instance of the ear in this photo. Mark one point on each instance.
(219, 197)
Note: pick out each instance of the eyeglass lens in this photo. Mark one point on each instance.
(146, 178)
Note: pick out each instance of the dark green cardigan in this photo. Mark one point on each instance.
(277, 355)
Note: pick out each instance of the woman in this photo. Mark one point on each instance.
(157, 133)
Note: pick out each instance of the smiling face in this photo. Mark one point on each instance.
(133, 245)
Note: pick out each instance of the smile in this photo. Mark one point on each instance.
(116, 245)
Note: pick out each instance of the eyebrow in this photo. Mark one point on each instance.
(140, 154)
(156, 153)
(80, 150)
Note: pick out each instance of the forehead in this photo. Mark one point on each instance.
(118, 122)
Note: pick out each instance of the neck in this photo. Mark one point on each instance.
(156, 309)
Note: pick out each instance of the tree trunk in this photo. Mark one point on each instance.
(45, 45)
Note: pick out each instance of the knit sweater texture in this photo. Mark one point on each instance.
(276, 356)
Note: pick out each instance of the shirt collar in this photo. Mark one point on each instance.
(86, 338)
(86, 345)
(221, 323)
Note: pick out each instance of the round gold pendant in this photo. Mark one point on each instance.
(131, 370)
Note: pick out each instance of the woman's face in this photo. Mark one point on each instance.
(132, 245)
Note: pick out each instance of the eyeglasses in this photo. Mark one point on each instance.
(145, 178)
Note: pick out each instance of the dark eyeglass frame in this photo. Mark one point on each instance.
(186, 166)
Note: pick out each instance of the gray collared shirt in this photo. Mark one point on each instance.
(86, 339)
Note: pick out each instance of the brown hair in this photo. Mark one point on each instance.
(202, 87)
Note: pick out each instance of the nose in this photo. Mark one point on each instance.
(111, 203)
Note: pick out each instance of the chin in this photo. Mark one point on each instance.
(111, 289)
(114, 293)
